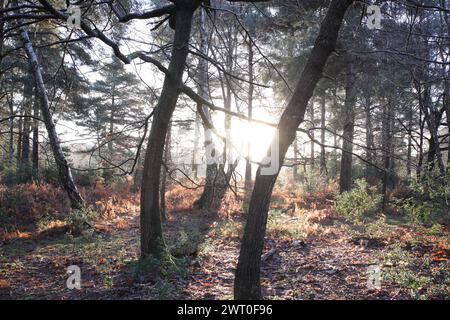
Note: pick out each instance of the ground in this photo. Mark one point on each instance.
(310, 253)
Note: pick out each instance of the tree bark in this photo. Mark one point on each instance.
(111, 120)
(433, 119)
(348, 113)
(387, 150)
(165, 168)
(19, 140)
(11, 130)
(247, 281)
(64, 171)
(323, 159)
(369, 138)
(152, 240)
(312, 151)
(196, 148)
(248, 163)
(295, 173)
(35, 152)
(206, 199)
(421, 144)
(409, 150)
(26, 107)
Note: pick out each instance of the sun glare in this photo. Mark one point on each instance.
(251, 139)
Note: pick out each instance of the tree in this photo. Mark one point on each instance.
(349, 127)
(247, 281)
(152, 239)
(111, 113)
(65, 173)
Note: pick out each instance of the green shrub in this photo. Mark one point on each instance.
(12, 176)
(430, 202)
(358, 203)
(314, 182)
(87, 178)
(50, 175)
(186, 244)
(78, 221)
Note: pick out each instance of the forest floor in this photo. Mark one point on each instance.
(310, 253)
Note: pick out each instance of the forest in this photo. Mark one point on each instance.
(224, 150)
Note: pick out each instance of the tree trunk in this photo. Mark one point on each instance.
(248, 163)
(165, 168)
(247, 281)
(387, 149)
(323, 159)
(206, 199)
(369, 138)
(152, 240)
(334, 154)
(26, 107)
(296, 175)
(217, 180)
(65, 173)
(11, 130)
(421, 138)
(19, 140)
(312, 152)
(348, 113)
(433, 119)
(111, 120)
(35, 153)
(196, 148)
(409, 151)
(224, 175)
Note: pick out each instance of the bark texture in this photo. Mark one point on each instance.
(345, 180)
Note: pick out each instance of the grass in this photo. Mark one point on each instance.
(228, 229)
(419, 273)
(205, 248)
(282, 226)
(279, 226)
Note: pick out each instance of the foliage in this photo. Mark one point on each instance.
(379, 229)
(359, 203)
(166, 265)
(187, 243)
(228, 229)
(430, 201)
(78, 221)
(49, 174)
(25, 203)
(42, 206)
(314, 183)
(423, 277)
(12, 176)
(87, 178)
(298, 229)
(180, 200)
